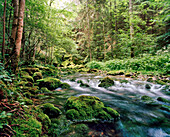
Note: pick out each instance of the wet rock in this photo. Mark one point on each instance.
(88, 108)
(128, 75)
(65, 86)
(50, 110)
(92, 70)
(165, 107)
(82, 84)
(150, 79)
(160, 82)
(115, 73)
(163, 100)
(146, 98)
(49, 82)
(106, 82)
(147, 86)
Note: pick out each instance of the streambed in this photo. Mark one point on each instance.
(138, 119)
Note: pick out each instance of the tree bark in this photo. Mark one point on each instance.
(15, 19)
(20, 27)
(3, 43)
(19, 31)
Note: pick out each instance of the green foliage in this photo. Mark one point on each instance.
(147, 63)
(3, 118)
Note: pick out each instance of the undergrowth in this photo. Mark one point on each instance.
(147, 63)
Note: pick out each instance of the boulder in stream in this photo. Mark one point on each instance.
(50, 110)
(106, 82)
(88, 108)
(49, 82)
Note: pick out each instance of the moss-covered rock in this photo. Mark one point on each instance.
(37, 76)
(24, 73)
(92, 70)
(31, 71)
(165, 107)
(82, 84)
(163, 100)
(49, 82)
(65, 86)
(44, 90)
(44, 119)
(150, 79)
(32, 90)
(146, 98)
(28, 78)
(114, 73)
(160, 82)
(88, 108)
(27, 101)
(128, 75)
(50, 110)
(29, 127)
(106, 82)
(24, 83)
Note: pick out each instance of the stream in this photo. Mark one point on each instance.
(137, 118)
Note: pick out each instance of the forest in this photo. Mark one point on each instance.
(85, 68)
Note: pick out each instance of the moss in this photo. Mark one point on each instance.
(28, 78)
(24, 73)
(25, 83)
(44, 90)
(50, 110)
(28, 95)
(165, 107)
(79, 81)
(44, 119)
(160, 82)
(29, 127)
(163, 100)
(73, 79)
(112, 112)
(150, 79)
(114, 73)
(124, 81)
(87, 108)
(128, 74)
(92, 70)
(82, 84)
(65, 86)
(31, 71)
(146, 98)
(49, 82)
(72, 114)
(32, 90)
(82, 129)
(27, 101)
(37, 75)
(106, 82)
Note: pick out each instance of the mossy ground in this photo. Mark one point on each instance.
(88, 108)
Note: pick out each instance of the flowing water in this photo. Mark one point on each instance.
(137, 118)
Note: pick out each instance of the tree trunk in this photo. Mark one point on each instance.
(15, 20)
(17, 44)
(131, 27)
(3, 43)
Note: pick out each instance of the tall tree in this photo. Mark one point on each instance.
(3, 43)
(19, 31)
